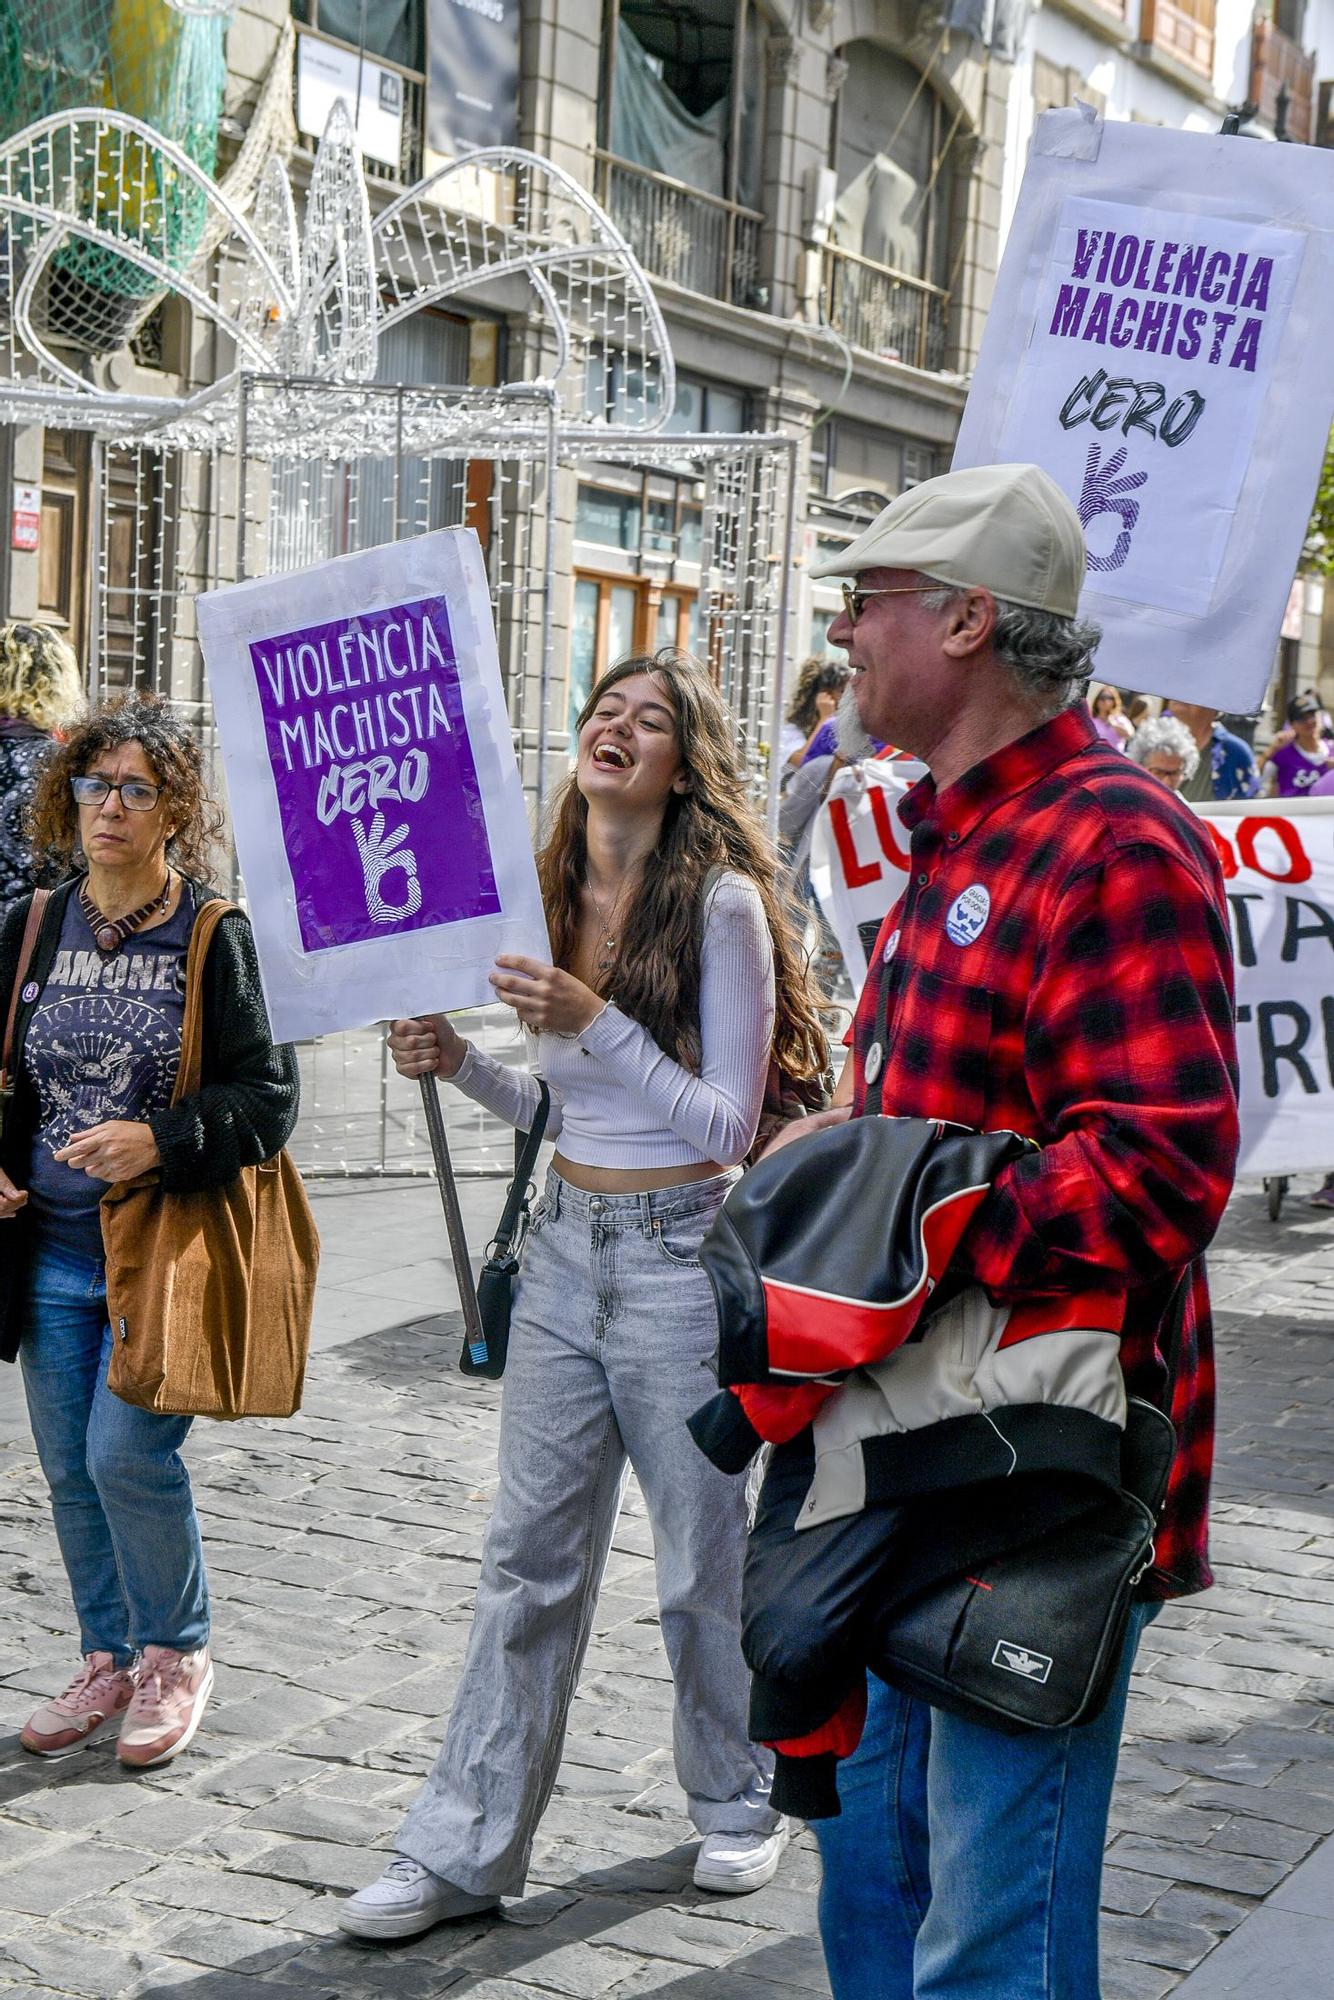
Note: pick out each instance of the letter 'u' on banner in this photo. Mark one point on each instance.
(859, 855)
(1159, 343)
(379, 817)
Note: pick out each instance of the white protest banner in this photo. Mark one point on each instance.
(379, 819)
(1158, 343)
(1278, 870)
(859, 855)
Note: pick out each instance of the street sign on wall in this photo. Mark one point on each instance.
(472, 91)
(25, 520)
(1158, 342)
(373, 96)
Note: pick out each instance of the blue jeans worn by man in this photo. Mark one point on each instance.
(965, 1864)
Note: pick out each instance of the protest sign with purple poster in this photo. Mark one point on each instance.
(379, 819)
(1157, 343)
(364, 722)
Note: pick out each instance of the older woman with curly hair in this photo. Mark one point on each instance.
(1166, 749)
(41, 691)
(96, 1048)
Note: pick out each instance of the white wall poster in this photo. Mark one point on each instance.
(1158, 343)
(379, 818)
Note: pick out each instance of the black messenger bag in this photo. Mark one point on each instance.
(1031, 1638)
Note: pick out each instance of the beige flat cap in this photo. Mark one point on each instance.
(1007, 528)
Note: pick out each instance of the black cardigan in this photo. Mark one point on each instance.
(243, 1112)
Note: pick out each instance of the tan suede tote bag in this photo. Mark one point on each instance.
(210, 1295)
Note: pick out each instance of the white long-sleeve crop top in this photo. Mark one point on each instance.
(618, 1101)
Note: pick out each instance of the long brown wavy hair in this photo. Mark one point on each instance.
(713, 824)
(170, 747)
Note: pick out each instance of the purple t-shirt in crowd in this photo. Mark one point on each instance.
(1297, 771)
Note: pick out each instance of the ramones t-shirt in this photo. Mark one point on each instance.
(104, 1042)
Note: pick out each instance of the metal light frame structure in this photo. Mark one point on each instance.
(194, 484)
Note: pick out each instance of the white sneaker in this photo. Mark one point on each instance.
(733, 1864)
(407, 1899)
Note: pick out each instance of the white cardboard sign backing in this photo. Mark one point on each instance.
(1158, 342)
(379, 818)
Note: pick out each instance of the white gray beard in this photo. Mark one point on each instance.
(854, 745)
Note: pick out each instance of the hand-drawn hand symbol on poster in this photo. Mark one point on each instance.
(379, 859)
(377, 785)
(1107, 491)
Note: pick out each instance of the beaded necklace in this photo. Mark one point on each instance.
(110, 934)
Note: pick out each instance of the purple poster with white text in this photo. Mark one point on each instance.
(376, 781)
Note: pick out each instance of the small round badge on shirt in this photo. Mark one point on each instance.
(30, 992)
(875, 1059)
(891, 946)
(967, 916)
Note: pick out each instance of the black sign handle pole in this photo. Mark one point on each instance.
(449, 1201)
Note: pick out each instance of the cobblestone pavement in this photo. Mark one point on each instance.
(342, 1549)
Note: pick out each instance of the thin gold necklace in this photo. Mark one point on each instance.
(608, 944)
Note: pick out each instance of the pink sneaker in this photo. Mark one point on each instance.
(169, 1702)
(99, 1693)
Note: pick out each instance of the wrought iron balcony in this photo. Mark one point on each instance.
(1279, 64)
(692, 239)
(885, 311)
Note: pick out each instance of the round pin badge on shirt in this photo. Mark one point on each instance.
(967, 916)
(30, 992)
(891, 946)
(875, 1057)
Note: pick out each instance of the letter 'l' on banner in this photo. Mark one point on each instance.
(1159, 343)
(379, 818)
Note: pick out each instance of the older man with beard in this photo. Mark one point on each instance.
(1059, 965)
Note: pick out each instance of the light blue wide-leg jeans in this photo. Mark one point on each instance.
(612, 1336)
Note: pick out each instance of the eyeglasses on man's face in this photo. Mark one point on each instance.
(136, 794)
(1169, 771)
(855, 600)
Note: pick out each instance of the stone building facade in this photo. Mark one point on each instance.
(818, 190)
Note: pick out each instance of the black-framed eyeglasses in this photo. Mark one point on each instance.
(854, 600)
(136, 794)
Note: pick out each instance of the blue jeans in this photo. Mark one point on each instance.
(124, 1513)
(967, 1864)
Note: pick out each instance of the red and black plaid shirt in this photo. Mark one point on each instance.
(1061, 964)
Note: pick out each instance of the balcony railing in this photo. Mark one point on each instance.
(885, 311)
(691, 239)
(1277, 62)
(1181, 28)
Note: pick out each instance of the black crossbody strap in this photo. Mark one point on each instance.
(526, 1146)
